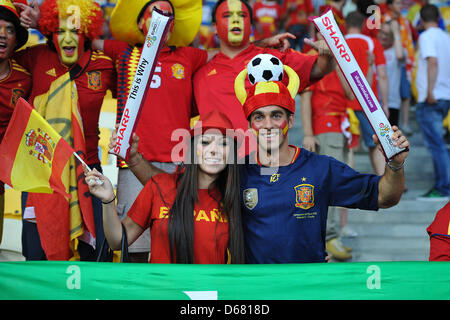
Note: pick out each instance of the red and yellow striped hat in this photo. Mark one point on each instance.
(266, 93)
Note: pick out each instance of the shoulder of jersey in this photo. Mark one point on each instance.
(96, 55)
(18, 67)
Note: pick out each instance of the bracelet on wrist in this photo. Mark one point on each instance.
(110, 200)
(394, 168)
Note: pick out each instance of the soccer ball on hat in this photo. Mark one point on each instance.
(264, 67)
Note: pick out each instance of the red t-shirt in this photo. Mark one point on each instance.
(99, 76)
(359, 44)
(303, 9)
(328, 104)
(17, 84)
(267, 15)
(439, 232)
(169, 104)
(151, 209)
(214, 82)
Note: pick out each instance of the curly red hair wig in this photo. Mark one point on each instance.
(86, 14)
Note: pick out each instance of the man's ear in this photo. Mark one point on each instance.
(141, 24)
(291, 121)
(214, 27)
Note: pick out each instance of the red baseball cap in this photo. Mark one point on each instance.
(215, 120)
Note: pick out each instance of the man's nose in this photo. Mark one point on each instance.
(268, 123)
(235, 18)
(67, 37)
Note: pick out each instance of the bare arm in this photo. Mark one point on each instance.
(142, 169)
(399, 50)
(278, 41)
(309, 141)
(348, 91)
(384, 87)
(111, 222)
(30, 14)
(432, 70)
(392, 183)
(325, 62)
(371, 60)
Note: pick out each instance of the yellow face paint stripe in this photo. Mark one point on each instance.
(235, 7)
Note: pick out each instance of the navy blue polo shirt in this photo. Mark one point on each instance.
(285, 208)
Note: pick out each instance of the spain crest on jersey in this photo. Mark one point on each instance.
(178, 71)
(304, 196)
(94, 80)
(250, 198)
(15, 95)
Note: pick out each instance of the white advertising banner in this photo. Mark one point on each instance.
(140, 87)
(327, 26)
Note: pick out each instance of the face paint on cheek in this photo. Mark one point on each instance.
(255, 129)
(232, 27)
(284, 128)
(146, 19)
(56, 43)
(77, 42)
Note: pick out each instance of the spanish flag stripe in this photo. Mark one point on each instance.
(14, 133)
(32, 169)
(297, 152)
(62, 153)
(33, 154)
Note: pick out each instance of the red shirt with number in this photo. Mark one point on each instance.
(169, 103)
(99, 76)
(151, 209)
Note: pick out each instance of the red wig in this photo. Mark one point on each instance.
(86, 14)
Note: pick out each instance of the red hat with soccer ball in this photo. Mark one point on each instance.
(265, 72)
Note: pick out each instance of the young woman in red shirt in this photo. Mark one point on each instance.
(194, 214)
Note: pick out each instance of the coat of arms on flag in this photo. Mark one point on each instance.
(41, 145)
(33, 154)
(304, 196)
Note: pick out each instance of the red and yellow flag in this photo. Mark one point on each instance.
(33, 155)
(61, 223)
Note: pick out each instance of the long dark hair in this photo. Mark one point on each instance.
(181, 217)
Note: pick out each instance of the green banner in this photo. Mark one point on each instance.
(46, 280)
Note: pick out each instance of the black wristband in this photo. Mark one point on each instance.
(110, 201)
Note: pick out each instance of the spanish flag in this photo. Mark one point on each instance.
(33, 155)
(62, 222)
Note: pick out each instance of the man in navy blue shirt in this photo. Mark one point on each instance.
(286, 190)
